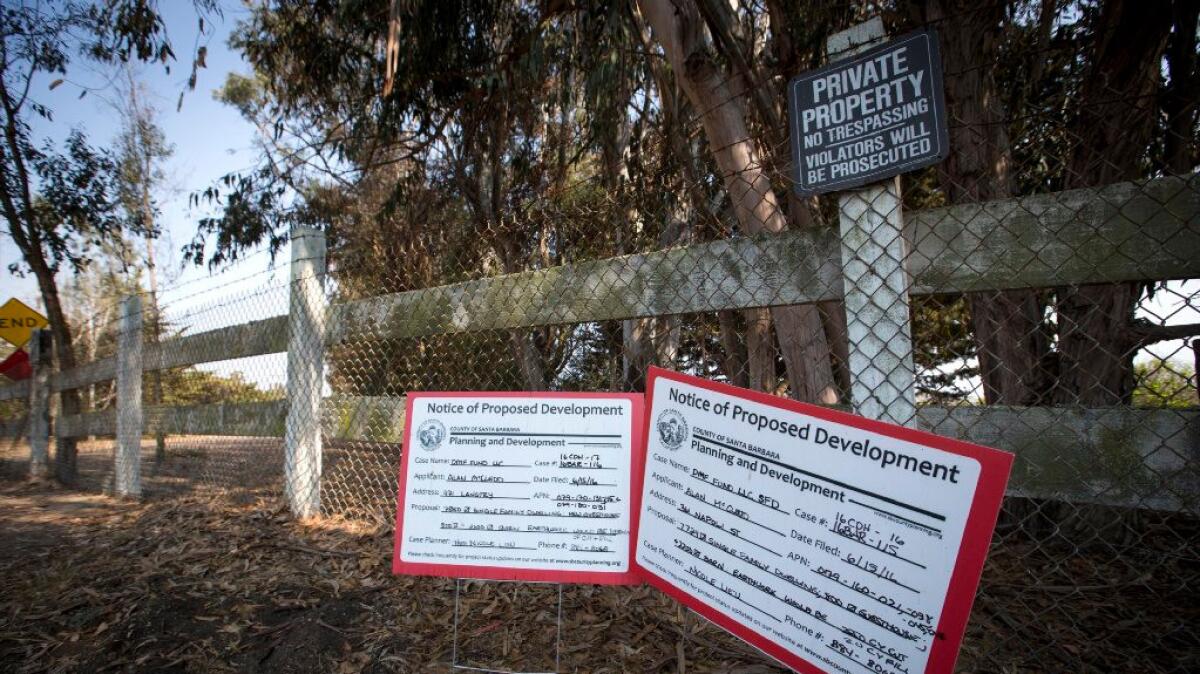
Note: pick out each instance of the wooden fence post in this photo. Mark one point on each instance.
(128, 460)
(882, 378)
(39, 404)
(305, 359)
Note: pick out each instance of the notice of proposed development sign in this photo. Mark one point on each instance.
(865, 118)
(519, 486)
(831, 542)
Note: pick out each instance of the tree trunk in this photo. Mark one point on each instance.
(1009, 340)
(637, 334)
(760, 352)
(678, 26)
(1117, 106)
(637, 352)
(668, 332)
(805, 332)
(156, 388)
(65, 453)
(529, 359)
(804, 212)
(734, 363)
(524, 350)
(484, 182)
(1182, 99)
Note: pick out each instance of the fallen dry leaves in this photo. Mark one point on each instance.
(193, 584)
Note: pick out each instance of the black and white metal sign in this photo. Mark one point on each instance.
(869, 117)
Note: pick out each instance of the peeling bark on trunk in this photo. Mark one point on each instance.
(1009, 339)
(668, 332)
(65, 459)
(637, 351)
(1182, 99)
(529, 359)
(833, 317)
(1011, 345)
(1117, 106)
(734, 363)
(760, 352)
(805, 351)
(720, 100)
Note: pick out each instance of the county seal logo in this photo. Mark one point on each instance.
(430, 434)
(672, 429)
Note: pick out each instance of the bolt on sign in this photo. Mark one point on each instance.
(868, 117)
(831, 542)
(18, 321)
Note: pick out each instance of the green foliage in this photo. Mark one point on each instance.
(1165, 383)
(141, 149)
(500, 118)
(522, 135)
(59, 198)
(201, 387)
(943, 345)
(13, 409)
(72, 213)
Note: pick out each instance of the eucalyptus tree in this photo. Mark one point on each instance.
(1111, 133)
(540, 132)
(723, 83)
(58, 198)
(142, 151)
(480, 138)
(507, 124)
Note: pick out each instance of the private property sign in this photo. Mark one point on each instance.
(874, 115)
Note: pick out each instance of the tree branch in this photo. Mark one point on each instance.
(1144, 334)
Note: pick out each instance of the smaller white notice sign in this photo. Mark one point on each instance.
(832, 542)
(519, 486)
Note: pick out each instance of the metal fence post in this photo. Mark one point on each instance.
(882, 379)
(128, 469)
(305, 366)
(39, 404)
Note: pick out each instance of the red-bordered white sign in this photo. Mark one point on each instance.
(829, 541)
(532, 486)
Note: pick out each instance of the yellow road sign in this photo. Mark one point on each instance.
(18, 321)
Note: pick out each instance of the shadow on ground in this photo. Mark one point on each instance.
(195, 583)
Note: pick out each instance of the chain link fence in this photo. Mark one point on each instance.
(1050, 295)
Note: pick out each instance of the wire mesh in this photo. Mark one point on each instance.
(668, 244)
(14, 447)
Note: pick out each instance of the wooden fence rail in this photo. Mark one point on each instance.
(1148, 231)
(1147, 458)
(1123, 232)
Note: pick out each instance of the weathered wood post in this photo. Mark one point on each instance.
(882, 378)
(128, 470)
(39, 404)
(306, 357)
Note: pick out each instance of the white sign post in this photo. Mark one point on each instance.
(831, 542)
(519, 486)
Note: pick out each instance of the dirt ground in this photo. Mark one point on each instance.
(193, 584)
(188, 583)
